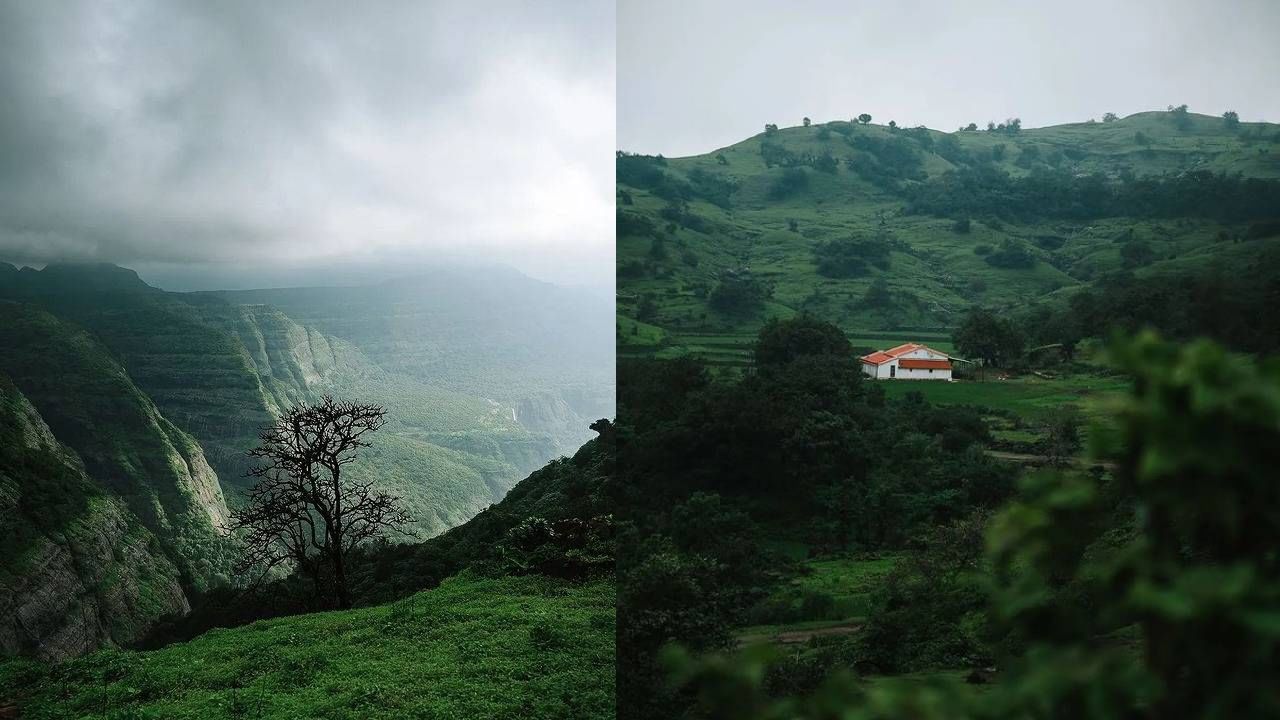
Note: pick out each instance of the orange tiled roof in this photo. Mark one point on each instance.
(883, 356)
(923, 364)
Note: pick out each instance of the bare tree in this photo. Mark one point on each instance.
(303, 511)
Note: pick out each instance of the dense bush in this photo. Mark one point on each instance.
(1047, 194)
(739, 295)
(791, 181)
(851, 257)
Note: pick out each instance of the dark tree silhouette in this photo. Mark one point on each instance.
(303, 510)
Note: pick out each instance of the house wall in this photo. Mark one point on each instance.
(923, 374)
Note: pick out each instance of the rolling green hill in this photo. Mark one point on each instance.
(897, 231)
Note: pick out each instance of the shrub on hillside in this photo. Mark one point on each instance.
(738, 294)
(851, 257)
(790, 182)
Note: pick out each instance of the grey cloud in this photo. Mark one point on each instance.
(289, 133)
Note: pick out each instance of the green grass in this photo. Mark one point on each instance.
(472, 648)
(1029, 397)
(846, 585)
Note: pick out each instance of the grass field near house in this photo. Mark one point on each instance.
(1029, 397)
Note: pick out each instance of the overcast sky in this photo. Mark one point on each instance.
(200, 142)
(696, 75)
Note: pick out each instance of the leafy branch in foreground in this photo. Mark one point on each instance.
(304, 512)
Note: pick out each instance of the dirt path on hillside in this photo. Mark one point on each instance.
(1044, 459)
(797, 637)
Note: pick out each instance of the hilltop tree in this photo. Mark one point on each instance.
(304, 511)
(1231, 119)
(864, 118)
(770, 128)
(807, 122)
(971, 127)
(1179, 116)
(1109, 117)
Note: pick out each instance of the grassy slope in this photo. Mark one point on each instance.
(934, 274)
(472, 648)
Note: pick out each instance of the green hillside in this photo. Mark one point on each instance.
(79, 569)
(889, 231)
(523, 647)
(128, 447)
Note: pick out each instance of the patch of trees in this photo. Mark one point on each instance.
(1231, 119)
(1110, 117)
(1044, 194)
(1136, 592)
(1179, 116)
(878, 295)
(791, 181)
(678, 212)
(630, 224)
(739, 294)
(648, 172)
(712, 187)
(1136, 254)
(1234, 307)
(949, 148)
(641, 171)
(990, 338)
(886, 162)
(1011, 126)
(1011, 255)
(851, 257)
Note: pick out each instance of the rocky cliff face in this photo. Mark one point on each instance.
(127, 446)
(79, 569)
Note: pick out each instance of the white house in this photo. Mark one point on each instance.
(911, 361)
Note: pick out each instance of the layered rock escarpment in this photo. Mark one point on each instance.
(80, 570)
